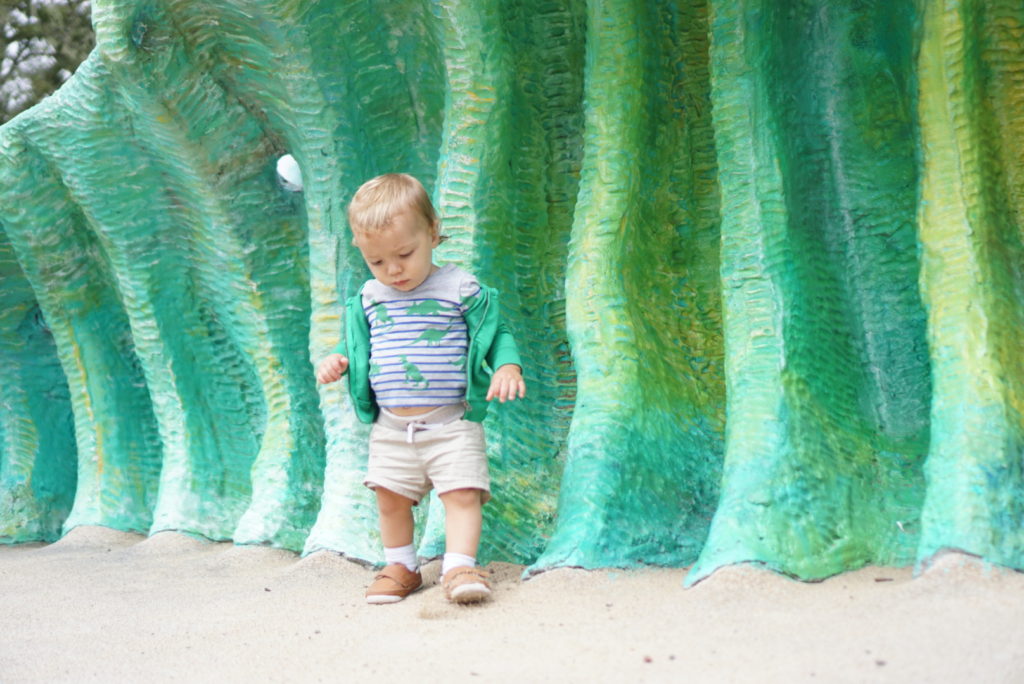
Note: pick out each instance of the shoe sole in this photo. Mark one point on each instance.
(381, 599)
(470, 593)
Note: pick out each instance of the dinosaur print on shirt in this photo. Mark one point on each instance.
(419, 339)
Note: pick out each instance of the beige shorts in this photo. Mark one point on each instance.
(439, 450)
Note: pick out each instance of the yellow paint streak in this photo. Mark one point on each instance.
(955, 233)
(86, 404)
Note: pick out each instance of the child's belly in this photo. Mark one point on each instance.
(405, 411)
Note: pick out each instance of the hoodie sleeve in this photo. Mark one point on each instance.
(503, 349)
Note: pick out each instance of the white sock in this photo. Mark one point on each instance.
(406, 555)
(456, 560)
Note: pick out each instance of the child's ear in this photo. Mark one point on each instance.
(435, 234)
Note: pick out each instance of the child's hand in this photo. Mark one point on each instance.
(331, 368)
(507, 383)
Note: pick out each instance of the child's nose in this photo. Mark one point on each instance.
(394, 268)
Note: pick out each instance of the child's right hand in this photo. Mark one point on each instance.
(331, 368)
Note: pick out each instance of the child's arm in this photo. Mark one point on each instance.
(331, 368)
(507, 383)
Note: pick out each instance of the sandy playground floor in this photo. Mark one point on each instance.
(105, 606)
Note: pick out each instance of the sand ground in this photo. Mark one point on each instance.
(104, 606)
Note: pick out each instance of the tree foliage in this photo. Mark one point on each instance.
(43, 42)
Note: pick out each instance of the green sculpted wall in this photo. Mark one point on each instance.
(765, 260)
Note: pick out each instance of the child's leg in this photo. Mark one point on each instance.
(463, 520)
(400, 576)
(396, 523)
(396, 528)
(463, 581)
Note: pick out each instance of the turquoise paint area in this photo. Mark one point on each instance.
(76, 291)
(644, 318)
(841, 378)
(37, 460)
(974, 252)
(763, 261)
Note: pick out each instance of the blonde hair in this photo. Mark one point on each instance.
(376, 202)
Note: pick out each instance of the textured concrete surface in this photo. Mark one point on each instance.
(764, 260)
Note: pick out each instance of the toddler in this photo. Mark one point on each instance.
(425, 350)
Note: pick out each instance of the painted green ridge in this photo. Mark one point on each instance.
(118, 458)
(971, 232)
(388, 120)
(493, 195)
(37, 441)
(828, 375)
(523, 253)
(474, 123)
(250, 446)
(235, 43)
(203, 477)
(642, 297)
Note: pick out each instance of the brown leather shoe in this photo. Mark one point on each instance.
(392, 584)
(466, 585)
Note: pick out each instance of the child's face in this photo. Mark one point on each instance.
(401, 255)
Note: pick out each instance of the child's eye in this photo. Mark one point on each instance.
(406, 255)
(378, 262)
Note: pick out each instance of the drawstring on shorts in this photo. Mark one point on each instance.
(418, 426)
(441, 416)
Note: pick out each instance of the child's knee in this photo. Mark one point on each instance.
(463, 498)
(390, 503)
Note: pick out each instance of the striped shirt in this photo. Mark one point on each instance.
(418, 339)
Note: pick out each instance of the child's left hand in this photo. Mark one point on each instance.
(507, 383)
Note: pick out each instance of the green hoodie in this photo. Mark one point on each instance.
(491, 346)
